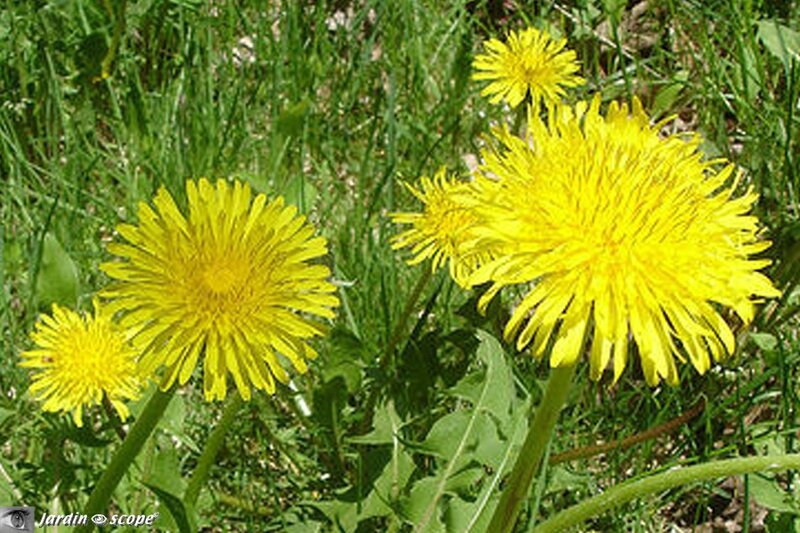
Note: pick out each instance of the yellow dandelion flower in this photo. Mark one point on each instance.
(624, 236)
(78, 359)
(232, 281)
(531, 62)
(443, 230)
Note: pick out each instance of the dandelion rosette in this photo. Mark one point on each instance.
(232, 281)
(621, 235)
(79, 359)
(442, 232)
(530, 62)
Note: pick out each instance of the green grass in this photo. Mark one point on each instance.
(334, 118)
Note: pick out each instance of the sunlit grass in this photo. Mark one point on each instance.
(332, 106)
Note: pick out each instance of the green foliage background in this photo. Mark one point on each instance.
(331, 104)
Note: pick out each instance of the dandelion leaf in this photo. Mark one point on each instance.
(384, 454)
(386, 425)
(767, 491)
(57, 279)
(472, 514)
(164, 479)
(492, 389)
(471, 446)
(301, 192)
(781, 41)
(765, 341)
(347, 511)
(417, 508)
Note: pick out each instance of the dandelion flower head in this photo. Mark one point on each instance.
(79, 359)
(232, 281)
(620, 234)
(443, 230)
(530, 62)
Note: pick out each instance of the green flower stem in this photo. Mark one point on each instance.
(127, 452)
(530, 455)
(209, 455)
(629, 490)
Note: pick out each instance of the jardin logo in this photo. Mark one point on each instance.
(77, 519)
(21, 519)
(16, 519)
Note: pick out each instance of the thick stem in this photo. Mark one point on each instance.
(668, 479)
(128, 450)
(530, 455)
(209, 455)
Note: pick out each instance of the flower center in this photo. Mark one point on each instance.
(449, 219)
(221, 285)
(220, 277)
(530, 70)
(87, 357)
